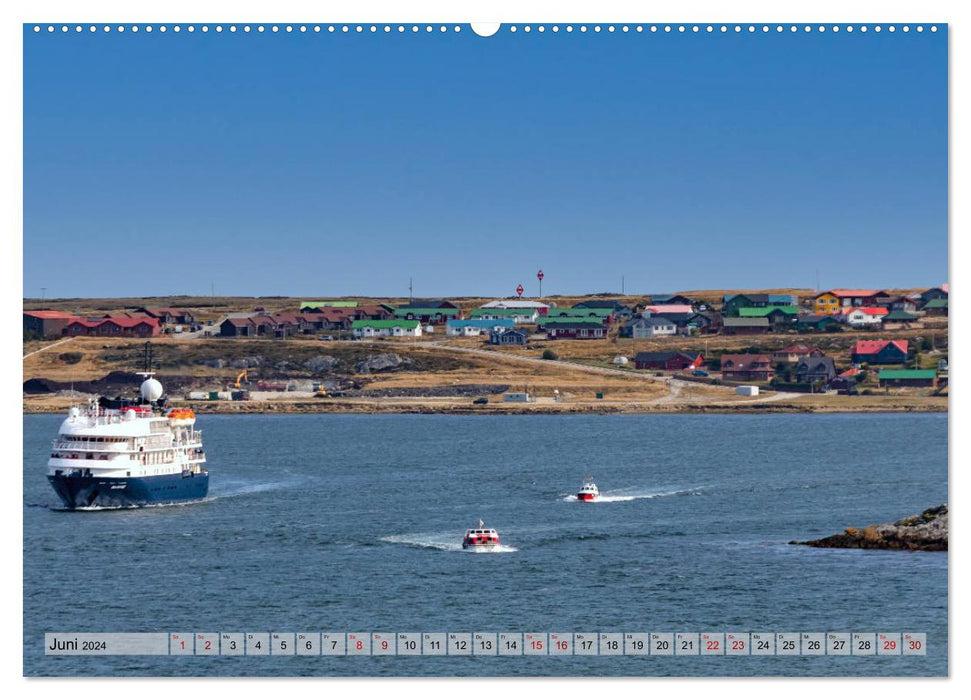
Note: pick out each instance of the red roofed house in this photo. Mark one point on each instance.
(116, 326)
(880, 352)
(793, 353)
(835, 300)
(236, 327)
(47, 323)
(864, 315)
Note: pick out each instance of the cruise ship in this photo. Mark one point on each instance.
(126, 453)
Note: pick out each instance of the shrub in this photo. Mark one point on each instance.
(550, 355)
(71, 358)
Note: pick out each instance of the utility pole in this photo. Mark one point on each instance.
(43, 293)
(623, 292)
(410, 291)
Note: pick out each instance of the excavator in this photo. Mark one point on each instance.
(242, 376)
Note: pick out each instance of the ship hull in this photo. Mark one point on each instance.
(78, 492)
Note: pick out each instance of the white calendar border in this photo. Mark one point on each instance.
(524, 10)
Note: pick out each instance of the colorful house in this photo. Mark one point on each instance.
(398, 328)
(427, 314)
(818, 323)
(745, 326)
(168, 316)
(834, 301)
(899, 319)
(114, 327)
(574, 329)
(880, 352)
(795, 352)
(936, 307)
(671, 361)
(616, 308)
(477, 326)
(810, 370)
(601, 314)
(47, 323)
(508, 337)
(539, 307)
(527, 315)
(665, 309)
(864, 316)
(311, 306)
(649, 327)
(908, 377)
(747, 367)
(934, 293)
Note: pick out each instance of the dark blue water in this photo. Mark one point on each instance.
(352, 523)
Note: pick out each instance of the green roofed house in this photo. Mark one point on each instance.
(583, 313)
(760, 312)
(397, 328)
(899, 319)
(311, 305)
(908, 377)
(936, 307)
(779, 316)
(434, 315)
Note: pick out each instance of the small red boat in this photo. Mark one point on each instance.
(588, 492)
(482, 539)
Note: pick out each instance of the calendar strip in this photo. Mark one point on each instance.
(491, 644)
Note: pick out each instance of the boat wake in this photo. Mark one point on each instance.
(244, 488)
(142, 506)
(444, 542)
(636, 494)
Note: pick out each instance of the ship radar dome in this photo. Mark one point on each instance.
(151, 390)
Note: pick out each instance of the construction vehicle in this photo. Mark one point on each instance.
(240, 377)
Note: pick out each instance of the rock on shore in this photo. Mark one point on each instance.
(926, 531)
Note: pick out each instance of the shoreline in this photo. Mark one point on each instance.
(250, 408)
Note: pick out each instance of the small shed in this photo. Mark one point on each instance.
(747, 390)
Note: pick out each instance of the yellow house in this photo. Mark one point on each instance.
(827, 304)
(836, 301)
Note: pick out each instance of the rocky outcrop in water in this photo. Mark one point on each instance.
(385, 362)
(926, 531)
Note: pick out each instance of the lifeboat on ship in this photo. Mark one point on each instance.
(181, 416)
(481, 539)
(589, 491)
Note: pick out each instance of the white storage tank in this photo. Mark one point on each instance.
(747, 390)
(621, 360)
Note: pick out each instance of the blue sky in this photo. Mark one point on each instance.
(321, 165)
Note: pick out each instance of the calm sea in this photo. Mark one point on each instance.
(353, 523)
